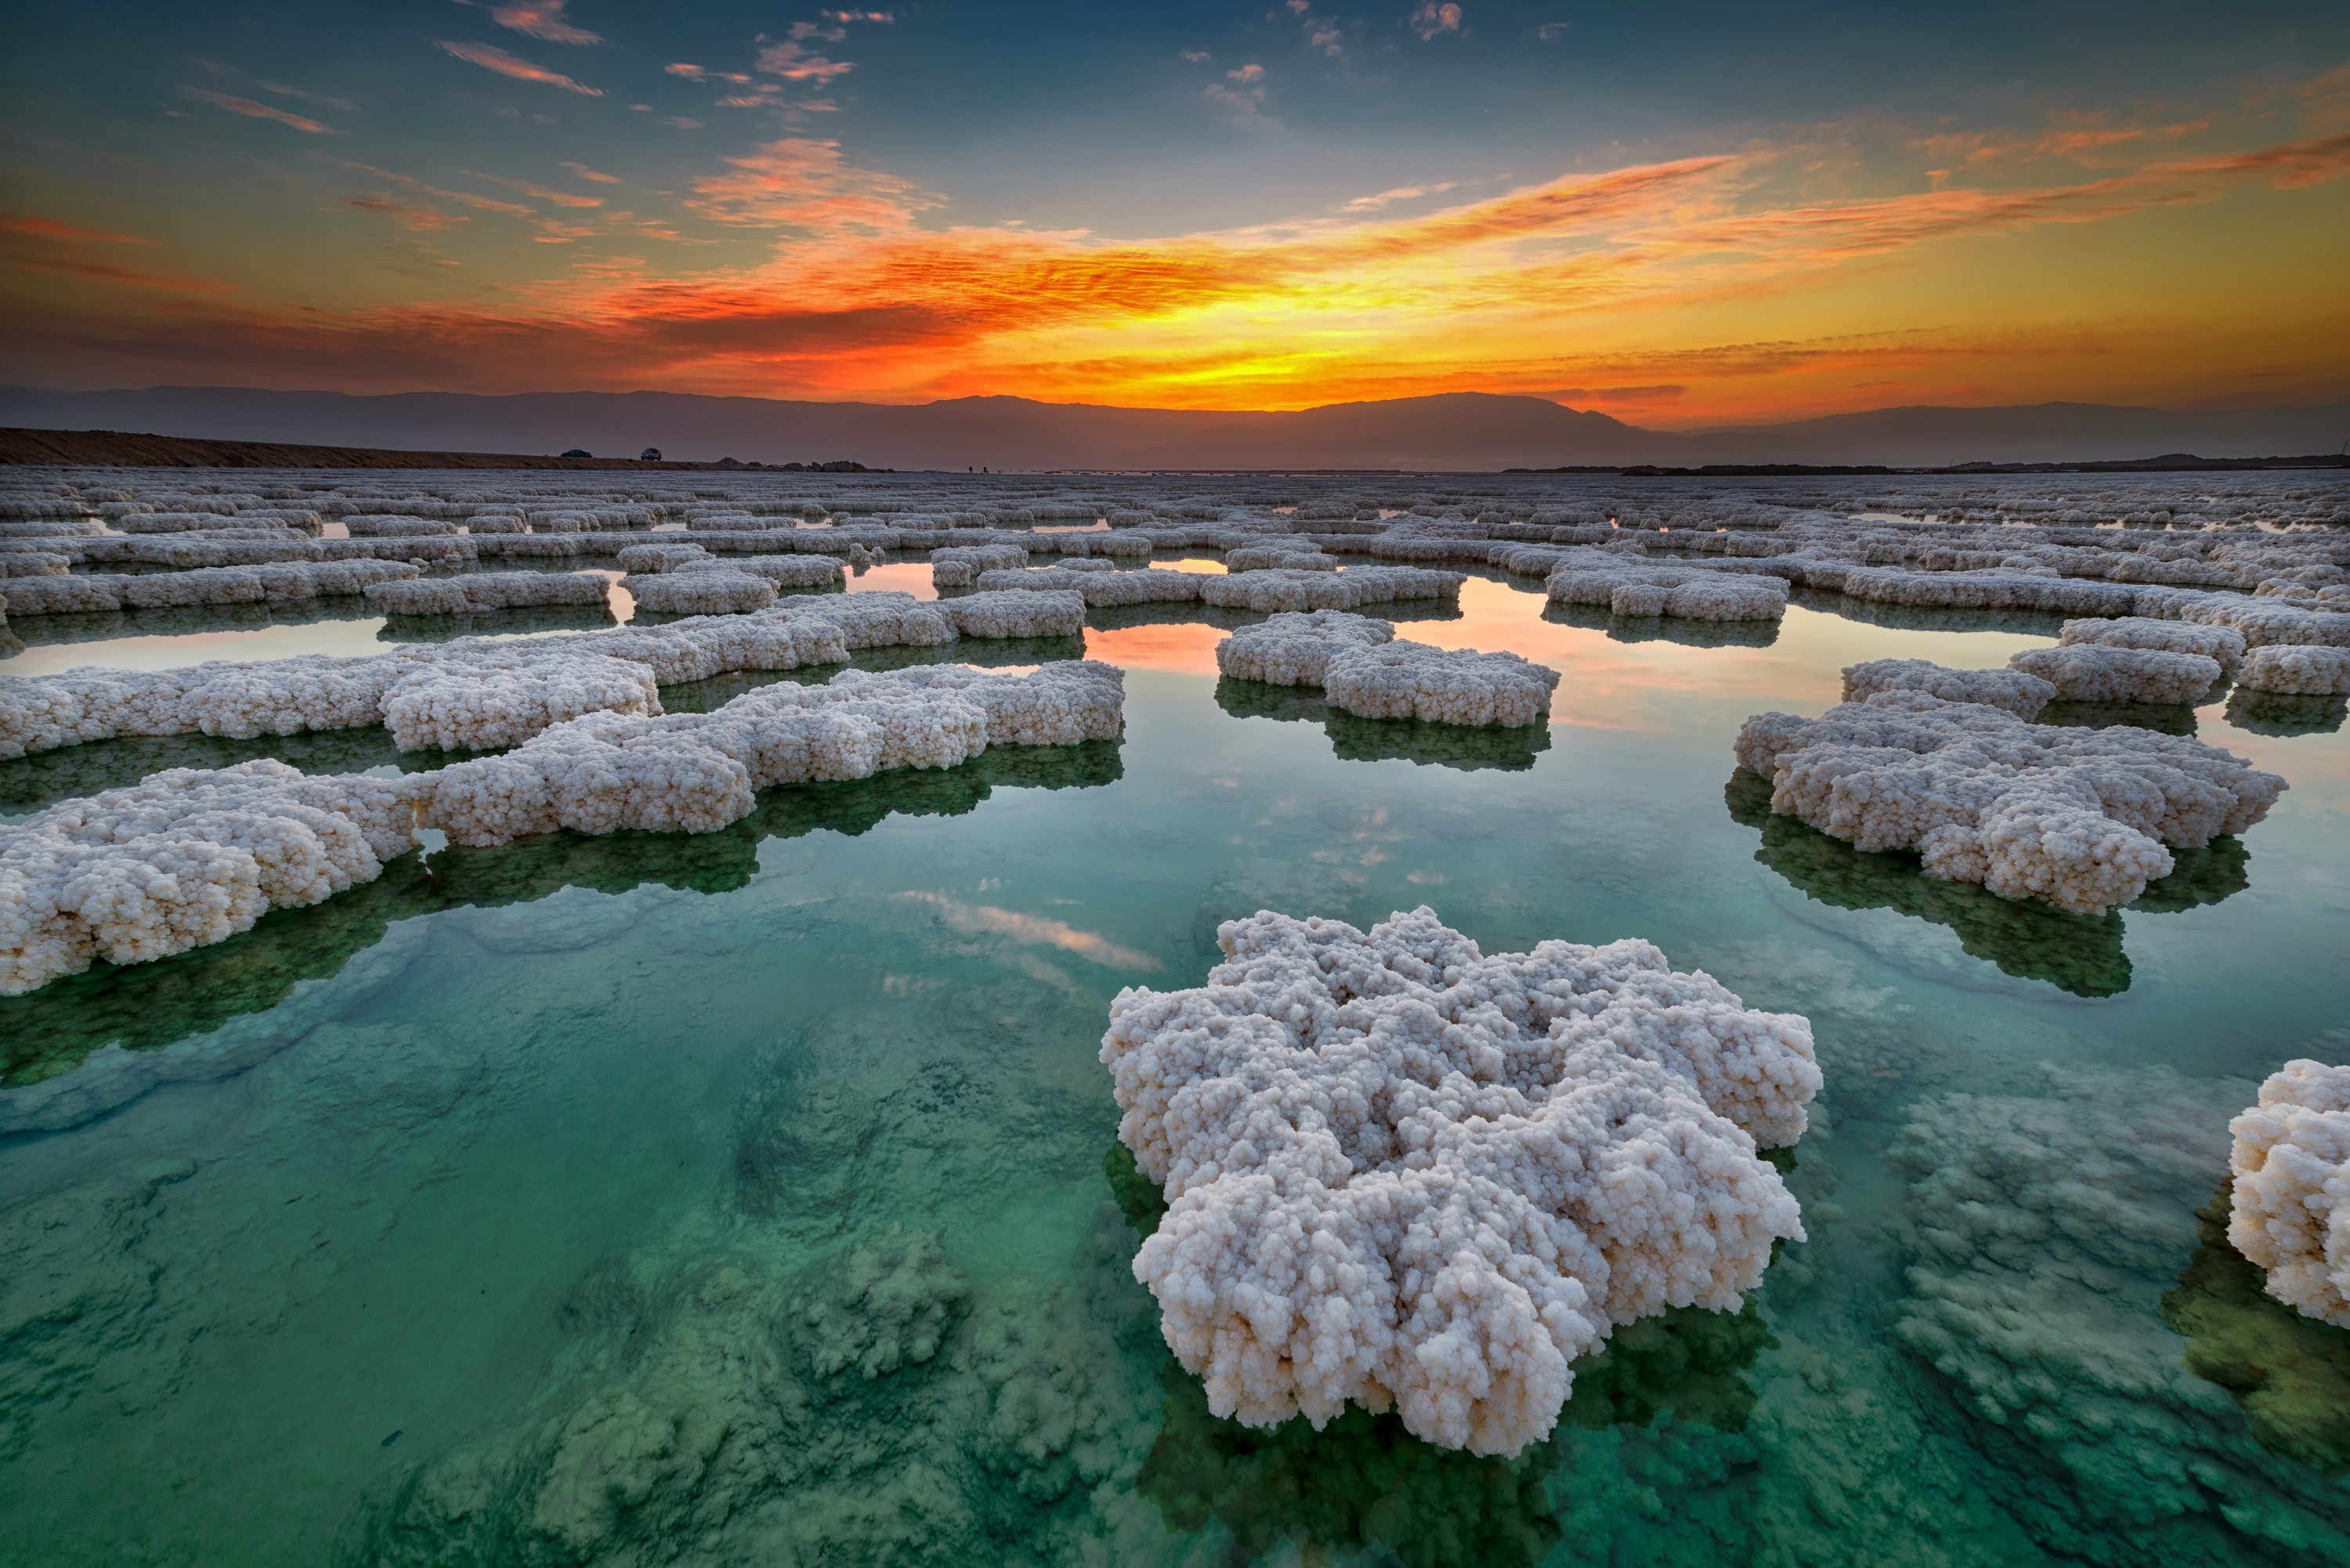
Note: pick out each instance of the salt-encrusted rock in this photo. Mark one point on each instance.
(1280, 557)
(1279, 589)
(280, 582)
(487, 591)
(660, 556)
(720, 590)
(480, 704)
(1633, 586)
(794, 572)
(886, 618)
(1005, 613)
(2103, 673)
(2222, 643)
(1446, 686)
(2078, 817)
(1294, 649)
(2317, 671)
(958, 565)
(2017, 691)
(2292, 1160)
(1102, 583)
(186, 858)
(695, 773)
(1403, 1173)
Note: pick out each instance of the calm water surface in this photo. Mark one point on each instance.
(741, 1199)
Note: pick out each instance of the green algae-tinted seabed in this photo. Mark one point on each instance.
(746, 1198)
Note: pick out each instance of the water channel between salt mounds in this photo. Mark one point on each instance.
(753, 1196)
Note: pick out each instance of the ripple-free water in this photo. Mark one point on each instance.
(741, 1197)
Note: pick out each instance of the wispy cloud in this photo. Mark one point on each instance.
(797, 63)
(57, 229)
(541, 193)
(323, 100)
(1431, 19)
(414, 215)
(252, 110)
(804, 185)
(990, 921)
(1400, 193)
(1243, 101)
(490, 57)
(542, 19)
(590, 175)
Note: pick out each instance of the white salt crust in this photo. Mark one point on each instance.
(2077, 818)
(1445, 686)
(2018, 692)
(2223, 644)
(1293, 648)
(1631, 586)
(192, 856)
(720, 590)
(486, 591)
(278, 582)
(1051, 613)
(958, 565)
(1404, 1174)
(480, 704)
(1280, 589)
(1279, 558)
(2283, 667)
(1101, 583)
(2103, 673)
(2291, 1204)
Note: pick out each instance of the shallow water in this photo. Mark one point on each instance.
(741, 1197)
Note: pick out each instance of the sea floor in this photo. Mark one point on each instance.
(750, 1198)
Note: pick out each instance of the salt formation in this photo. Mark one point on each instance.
(2223, 643)
(482, 703)
(2078, 817)
(784, 571)
(1294, 649)
(189, 858)
(1402, 1173)
(696, 773)
(1014, 614)
(1280, 557)
(2292, 1164)
(486, 590)
(2019, 693)
(1631, 586)
(721, 591)
(283, 582)
(1101, 583)
(2305, 672)
(959, 566)
(2101, 673)
(1445, 686)
(1281, 589)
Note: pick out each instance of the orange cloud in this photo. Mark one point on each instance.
(542, 19)
(252, 110)
(544, 193)
(491, 58)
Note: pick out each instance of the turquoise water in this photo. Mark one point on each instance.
(741, 1199)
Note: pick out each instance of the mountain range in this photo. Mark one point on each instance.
(1450, 431)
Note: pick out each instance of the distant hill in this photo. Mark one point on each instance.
(1463, 431)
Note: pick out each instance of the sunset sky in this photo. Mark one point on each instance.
(1678, 215)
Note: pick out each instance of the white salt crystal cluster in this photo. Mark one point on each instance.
(2077, 818)
(479, 704)
(1010, 613)
(720, 590)
(487, 591)
(1275, 589)
(1632, 586)
(1101, 583)
(958, 565)
(2283, 667)
(1404, 1174)
(2291, 1205)
(186, 858)
(696, 773)
(786, 572)
(2101, 673)
(1403, 680)
(1278, 557)
(2016, 691)
(277, 582)
(1294, 648)
(2223, 644)
(883, 620)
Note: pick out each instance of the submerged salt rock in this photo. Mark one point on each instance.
(2019, 692)
(2306, 670)
(1293, 648)
(1403, 1173)
(1446, 686)
(2103, 673)
(2082, 818)
(2291, 1164)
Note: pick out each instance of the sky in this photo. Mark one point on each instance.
(1680, 216)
